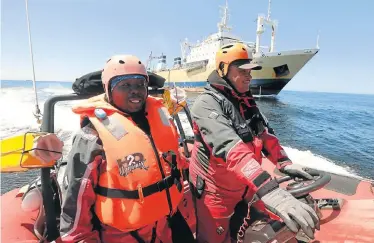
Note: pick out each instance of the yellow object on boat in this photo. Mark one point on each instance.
(15, 153)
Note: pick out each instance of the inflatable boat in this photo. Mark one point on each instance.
(344, 204)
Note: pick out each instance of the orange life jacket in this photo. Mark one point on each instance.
(140, 184)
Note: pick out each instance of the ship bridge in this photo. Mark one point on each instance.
(206, 50)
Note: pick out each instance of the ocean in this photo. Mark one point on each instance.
(328, 131)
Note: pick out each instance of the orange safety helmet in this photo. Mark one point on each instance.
(234, 52)
(121, 65)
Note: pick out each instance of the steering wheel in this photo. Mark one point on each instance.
(303, 187)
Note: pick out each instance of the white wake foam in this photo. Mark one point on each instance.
(308, 159)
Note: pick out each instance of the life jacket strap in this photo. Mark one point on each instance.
(147, 191)
(137, 237)
(175, 173)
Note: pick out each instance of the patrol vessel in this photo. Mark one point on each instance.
(192, 68)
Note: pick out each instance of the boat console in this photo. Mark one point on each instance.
(262, 228)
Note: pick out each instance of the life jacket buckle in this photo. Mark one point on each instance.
(140, 192)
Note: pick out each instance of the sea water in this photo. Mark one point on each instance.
(327, 131)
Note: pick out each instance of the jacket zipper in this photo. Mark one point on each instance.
(161, 170)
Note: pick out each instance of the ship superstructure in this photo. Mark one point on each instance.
(197, 61)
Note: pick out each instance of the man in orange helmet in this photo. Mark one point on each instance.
(225, 166)
(122, 181)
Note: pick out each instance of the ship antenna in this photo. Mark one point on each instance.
(37, 113)
(269, 10)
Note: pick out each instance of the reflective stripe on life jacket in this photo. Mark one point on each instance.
(138, 186)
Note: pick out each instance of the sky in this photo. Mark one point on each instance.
(73, 37)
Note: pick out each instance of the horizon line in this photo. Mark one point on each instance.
(292, 90)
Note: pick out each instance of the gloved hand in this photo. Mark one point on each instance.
(47, 148)
(296, 170)
(294, 213)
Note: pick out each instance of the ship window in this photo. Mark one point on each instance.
(281, 71)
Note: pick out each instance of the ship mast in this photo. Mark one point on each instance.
(150, 58)
(184, 48)
(261, 21)
(273, 25)
(225, 19)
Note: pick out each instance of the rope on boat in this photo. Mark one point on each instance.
(37, 114)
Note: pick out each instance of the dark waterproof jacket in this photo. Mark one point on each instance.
(230, 137)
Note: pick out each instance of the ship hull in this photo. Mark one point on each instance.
(268, 86)
(279, 68)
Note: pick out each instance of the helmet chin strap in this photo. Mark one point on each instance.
(224, 76)
(228, 81)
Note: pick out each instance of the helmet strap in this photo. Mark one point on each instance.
(230, 83)
(222, 69)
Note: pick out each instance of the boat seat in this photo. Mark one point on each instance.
(32, 202)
